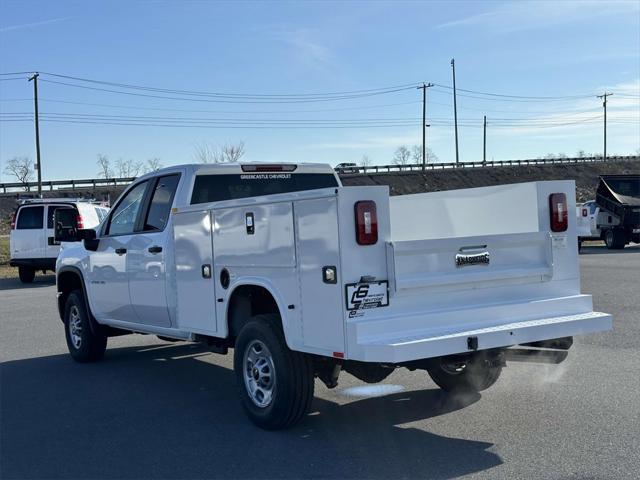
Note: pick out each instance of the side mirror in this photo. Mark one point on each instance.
(88, 235)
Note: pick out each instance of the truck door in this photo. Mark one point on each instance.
(317, 245)
(195, 281)
(108, 278)
(27, 240)
(146, 254)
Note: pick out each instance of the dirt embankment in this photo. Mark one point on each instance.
(585, 175)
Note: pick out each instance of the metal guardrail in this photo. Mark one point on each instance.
(114, 182)
(361, 170)
(66, 184)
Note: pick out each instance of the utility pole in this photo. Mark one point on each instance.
(484, 141)
(455, 107)
(424, 122)
(35, 100)
(604, 105)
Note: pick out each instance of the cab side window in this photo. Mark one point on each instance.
(123, 218)
(30, 218)
(161, 201)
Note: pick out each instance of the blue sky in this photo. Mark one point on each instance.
(573, 50)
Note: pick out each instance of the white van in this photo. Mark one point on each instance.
(31, 244)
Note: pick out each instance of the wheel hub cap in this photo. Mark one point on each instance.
(75, 327)
(259, 374)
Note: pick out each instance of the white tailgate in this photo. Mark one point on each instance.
(456, 261)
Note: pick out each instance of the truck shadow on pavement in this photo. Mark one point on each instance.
(167, 411)
(39, 282)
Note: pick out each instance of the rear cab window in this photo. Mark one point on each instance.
(161, 201)
(219, 187)
(30, 218)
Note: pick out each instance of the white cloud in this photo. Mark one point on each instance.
(20, 26)
(305, 46)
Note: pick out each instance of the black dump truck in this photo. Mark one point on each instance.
(618, 220)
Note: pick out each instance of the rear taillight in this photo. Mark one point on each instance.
(13, 221)
(585, 212)
(558, 212)
(366, 222)
(79, 221)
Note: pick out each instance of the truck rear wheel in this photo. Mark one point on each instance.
(459, 374)
(84, 344)
(26, 274)
(614, 239)
(275, 384)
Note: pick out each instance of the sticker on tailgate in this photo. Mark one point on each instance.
(363, 296)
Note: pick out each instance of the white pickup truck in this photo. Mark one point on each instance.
(305, 278)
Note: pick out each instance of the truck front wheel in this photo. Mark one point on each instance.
(458, 374)
(275, 384)
(84, 344)
(614, 239)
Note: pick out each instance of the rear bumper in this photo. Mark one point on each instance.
(35, 263)
(419, 347)
(401, 338)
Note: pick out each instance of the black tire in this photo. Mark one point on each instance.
(473, 374)
(26, 274)
(85, 345)
(614, 239)
(289, 396)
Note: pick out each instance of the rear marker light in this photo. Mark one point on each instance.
(559, 218)
(366, 222)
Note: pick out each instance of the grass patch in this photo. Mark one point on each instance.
(4, 250)
(8, 272)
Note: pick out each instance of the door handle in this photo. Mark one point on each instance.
(121, 251)
(155, 249)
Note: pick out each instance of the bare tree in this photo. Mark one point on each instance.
(128, 168)
(207, 153)
(105, 166)
(416, 155)
(581, 154)
(365, 161)
(232, 153)
(21, 168)
(152, 164)
(402, 155)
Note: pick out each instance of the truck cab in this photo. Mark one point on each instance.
(305, 278)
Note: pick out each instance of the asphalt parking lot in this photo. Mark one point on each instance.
(153, 409)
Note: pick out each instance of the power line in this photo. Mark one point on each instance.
(572, 97)
(218, 100)
(234, 95)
